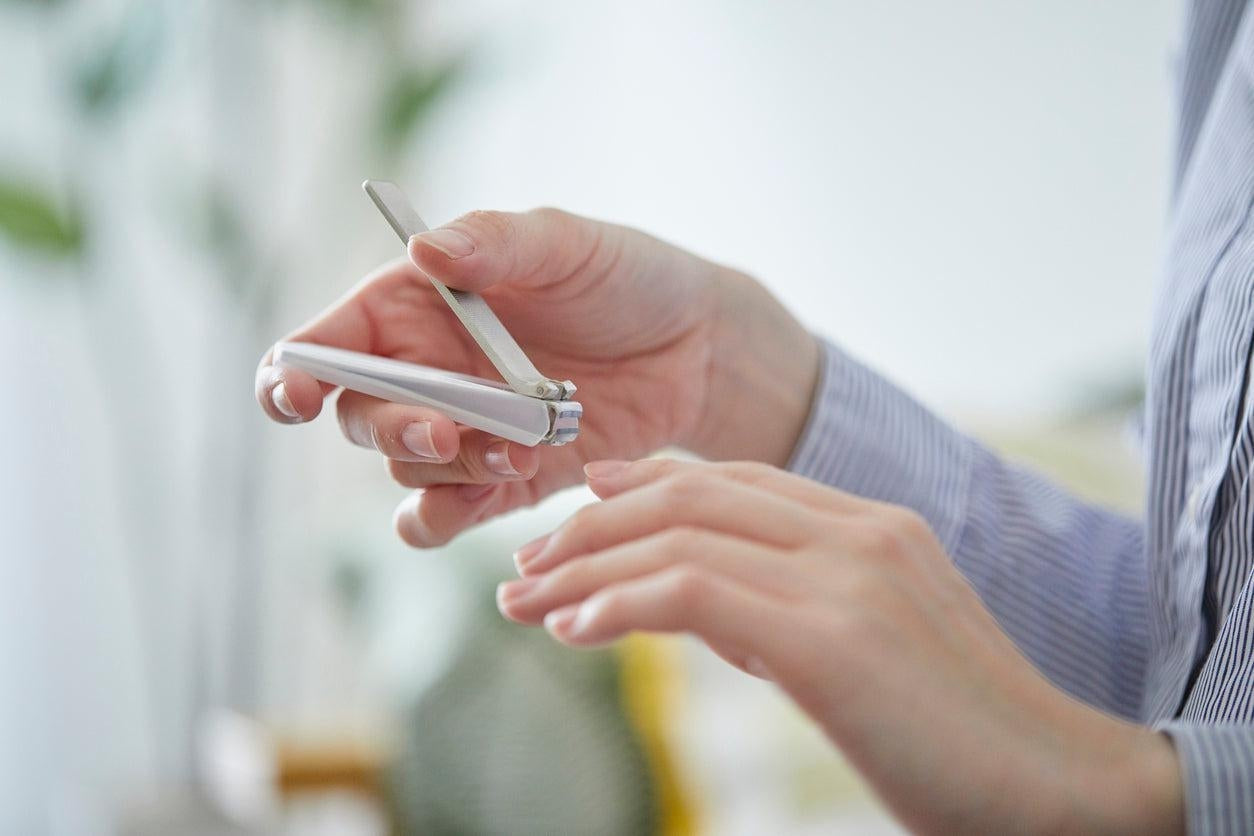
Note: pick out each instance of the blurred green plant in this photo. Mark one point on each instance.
(119, 67)
(362, 9)
(410, 97)
(521, 736)
(31, 220)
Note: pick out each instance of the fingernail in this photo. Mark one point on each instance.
(497, 459)
(558, 622)
(604, 469)
(528, 551)
(511, 591)
(754, 666)
(452, 243)
(419, 440)
(472, 493)
(282, 402)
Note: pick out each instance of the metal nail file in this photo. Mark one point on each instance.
(530, 409)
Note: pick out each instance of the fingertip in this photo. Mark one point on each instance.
(428, 436)
(422, 254)
(433, 516)
(605, 477)
(302, 393)
(408, 524)
(529, 551)
(559, 622)
(526, 460)
(442, 253)
(509, 598)
(287, 395)
(278, 396)
(604, 469)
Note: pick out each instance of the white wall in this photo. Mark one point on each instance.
(968, 194)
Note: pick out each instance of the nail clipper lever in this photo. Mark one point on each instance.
(532, 409)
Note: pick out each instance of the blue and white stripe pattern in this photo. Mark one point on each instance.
(1149, 620)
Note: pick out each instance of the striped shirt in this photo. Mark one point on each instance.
(1151, 620)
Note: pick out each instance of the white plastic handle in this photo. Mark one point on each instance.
(475, 402)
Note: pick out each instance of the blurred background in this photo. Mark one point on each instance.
(206, 625)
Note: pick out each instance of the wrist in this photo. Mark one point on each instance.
(762, 369)
(1130, 782)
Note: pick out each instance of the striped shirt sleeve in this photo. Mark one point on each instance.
(1218, 765)
(1065, 579)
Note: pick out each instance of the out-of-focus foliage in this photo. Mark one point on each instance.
(216, 221)
(521, 736)
(30, 219)
(369, 12)
(120, 65)
(362, 9)
(409, 97)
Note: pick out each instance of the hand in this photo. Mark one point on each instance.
(666, 348)
(854, 610)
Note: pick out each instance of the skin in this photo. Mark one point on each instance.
(850, 606)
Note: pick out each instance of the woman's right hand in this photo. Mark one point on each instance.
(665, 348)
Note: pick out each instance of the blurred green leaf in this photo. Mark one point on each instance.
(409, 99)
(220, 227)
(351, 582)
(364, 8)
(378, 12)
(119, 67)
(31, 220)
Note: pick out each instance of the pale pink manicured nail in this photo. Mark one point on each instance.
(607, 469)
(511, 591)
(558, 622)
(529, 550)
(282, 402)
(473, 493)
(497, 459)
(754, 666)
(420, 440)
(452, 243)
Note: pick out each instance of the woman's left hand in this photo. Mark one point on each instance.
(853, 608)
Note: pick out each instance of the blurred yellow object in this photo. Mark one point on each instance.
(652, 688)
(347, 764)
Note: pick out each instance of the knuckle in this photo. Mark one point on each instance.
(687, 586)
(552, 216)
(886, 538)
(751, 473)
(571, 574)
(608, 606)
(680, 487)
(384, 440)
(679, 541)
(471, 466)
(580, 525)
(913, 524)
(402, 473)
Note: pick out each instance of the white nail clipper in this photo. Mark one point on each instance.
(532, 409)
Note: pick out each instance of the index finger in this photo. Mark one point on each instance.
(290, 396)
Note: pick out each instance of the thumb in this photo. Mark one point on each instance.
(531, 249)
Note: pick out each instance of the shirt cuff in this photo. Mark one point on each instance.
(867, 437)
(1217, 762)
